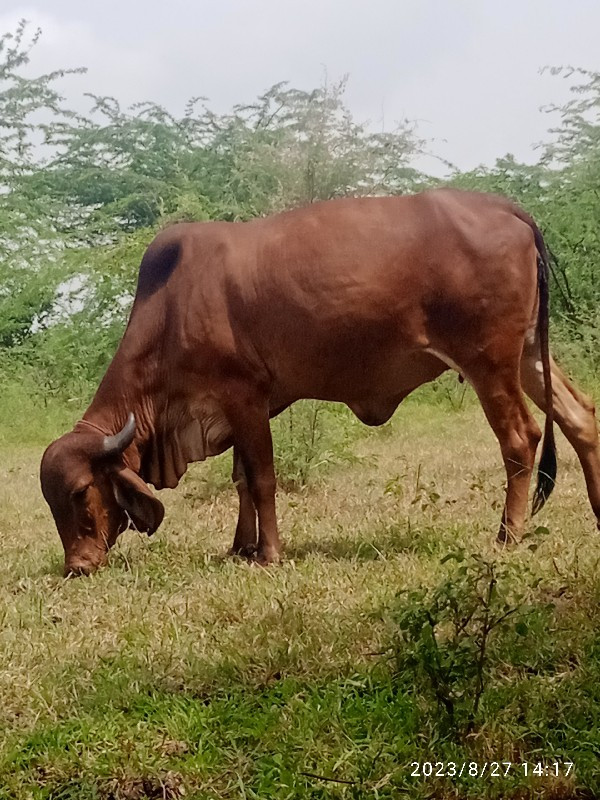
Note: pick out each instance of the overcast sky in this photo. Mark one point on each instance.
(467, 70)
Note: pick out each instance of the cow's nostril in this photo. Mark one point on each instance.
(77, 569)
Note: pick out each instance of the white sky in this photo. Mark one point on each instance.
(466, 70)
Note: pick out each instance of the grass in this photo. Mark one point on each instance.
(177, 672)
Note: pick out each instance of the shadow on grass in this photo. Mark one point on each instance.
(380, 544)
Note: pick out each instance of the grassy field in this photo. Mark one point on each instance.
(178, 672)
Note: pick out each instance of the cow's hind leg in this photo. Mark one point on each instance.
(244, 543)
(574, 413)
(518, 435)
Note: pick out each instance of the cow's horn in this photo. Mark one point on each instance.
(120, 441)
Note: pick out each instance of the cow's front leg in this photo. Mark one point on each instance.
(248, 413)
(244, 543)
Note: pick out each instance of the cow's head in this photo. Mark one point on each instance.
(94, 496)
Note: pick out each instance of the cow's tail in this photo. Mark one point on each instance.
(547, 466)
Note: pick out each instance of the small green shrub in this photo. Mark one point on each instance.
(447, 635)
(309, 437)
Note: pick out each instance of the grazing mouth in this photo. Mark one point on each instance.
(79, 568)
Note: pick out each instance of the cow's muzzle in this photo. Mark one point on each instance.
(75, 569)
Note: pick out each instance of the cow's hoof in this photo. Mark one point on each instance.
(505, 539)
(267, 557)
(247, 551)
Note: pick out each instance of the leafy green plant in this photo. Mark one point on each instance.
(445, 635)
(309, 437)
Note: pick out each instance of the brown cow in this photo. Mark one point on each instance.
(354, 300)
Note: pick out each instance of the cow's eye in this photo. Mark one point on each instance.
(79, 494)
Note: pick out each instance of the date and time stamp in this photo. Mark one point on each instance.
(491, 769)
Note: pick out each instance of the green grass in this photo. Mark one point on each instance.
(177, 672)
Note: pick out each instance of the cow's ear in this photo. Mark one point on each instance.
(134, 497)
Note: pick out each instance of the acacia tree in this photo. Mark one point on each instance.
(122, 170)
(301, 146)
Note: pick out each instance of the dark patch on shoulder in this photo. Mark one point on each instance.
(158, 263)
